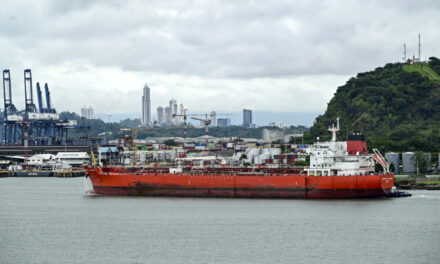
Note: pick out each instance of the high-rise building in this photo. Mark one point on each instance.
(160, 115)
(173, 111)
(213, 117)
(168, 115)
(87, 112)
(223, 122)
(247, 118)
(173, 106)
(146, 106)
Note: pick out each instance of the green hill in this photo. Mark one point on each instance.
(396, 106)
(423, 69)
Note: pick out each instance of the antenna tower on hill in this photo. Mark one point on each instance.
(404, 52)
(420, 58)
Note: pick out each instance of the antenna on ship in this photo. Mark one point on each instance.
(334, 129)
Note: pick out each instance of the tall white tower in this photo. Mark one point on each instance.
(420, 58)
(404, 52)
(146, 106)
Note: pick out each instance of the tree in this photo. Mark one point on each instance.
(392, 168)
(170, 142)
(421, 161)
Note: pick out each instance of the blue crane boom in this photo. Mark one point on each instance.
(48, 101)
(40, 100)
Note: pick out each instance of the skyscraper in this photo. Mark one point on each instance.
(146, 106)
(168, 115)
(213, 118)
(160, 115)
(87, 112)
(247, 118)
(173, 111)
(223, 122)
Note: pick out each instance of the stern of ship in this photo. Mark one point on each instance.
(387, 183)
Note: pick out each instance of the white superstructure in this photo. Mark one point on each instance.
(332, 159)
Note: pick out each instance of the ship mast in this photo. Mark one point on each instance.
(334, 129)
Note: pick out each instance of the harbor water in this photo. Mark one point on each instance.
(52, 220)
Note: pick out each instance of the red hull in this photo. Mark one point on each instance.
(117, 181)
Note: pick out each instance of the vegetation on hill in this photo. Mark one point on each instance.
(396, 106)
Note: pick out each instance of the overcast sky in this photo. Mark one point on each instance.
(286, 56)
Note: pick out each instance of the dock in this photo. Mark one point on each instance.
(59, 174)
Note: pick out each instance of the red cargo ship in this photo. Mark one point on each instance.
(337, 170)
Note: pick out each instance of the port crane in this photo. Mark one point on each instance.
(43, 124)
(12, 117)
(184, 115)
(206, 122)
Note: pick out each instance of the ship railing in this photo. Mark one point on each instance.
(210, 171)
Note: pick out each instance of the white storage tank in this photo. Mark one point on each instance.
(429, 157)
(393, 158)
(265, 151)
(275, 151)
(251, 153)
(407, 163)
(264, 157)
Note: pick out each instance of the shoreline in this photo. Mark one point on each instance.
(413, 183)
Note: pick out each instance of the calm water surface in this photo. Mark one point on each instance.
(52, 220)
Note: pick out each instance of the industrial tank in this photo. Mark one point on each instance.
(275, 151)
(251, 153)
(393, 158)
(407, 163)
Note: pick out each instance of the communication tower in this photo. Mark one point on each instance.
(420, 58)
(404, 52)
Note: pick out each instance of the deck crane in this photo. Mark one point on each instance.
(381, 161)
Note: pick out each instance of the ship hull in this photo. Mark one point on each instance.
(119, 182)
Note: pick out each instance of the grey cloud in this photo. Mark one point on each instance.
(219, 39)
